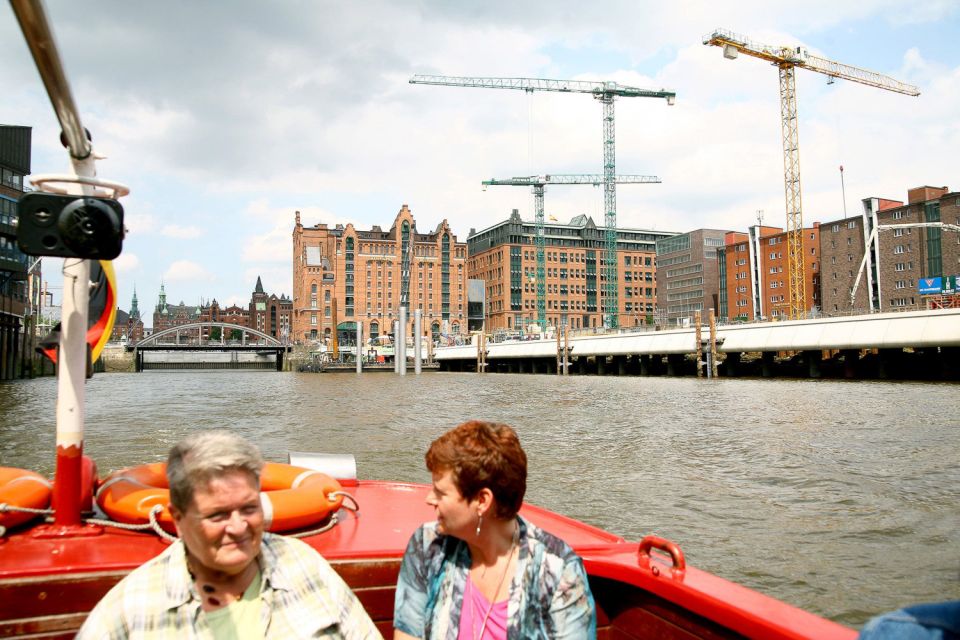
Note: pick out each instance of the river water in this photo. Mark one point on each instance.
(839, 497)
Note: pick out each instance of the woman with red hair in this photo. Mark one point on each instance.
(481, 571)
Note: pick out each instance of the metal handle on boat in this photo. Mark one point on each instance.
(656, 542)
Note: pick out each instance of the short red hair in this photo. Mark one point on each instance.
(483, 454)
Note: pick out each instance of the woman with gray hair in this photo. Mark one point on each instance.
(226, 577)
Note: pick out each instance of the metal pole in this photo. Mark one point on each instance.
(417, 338)
(72, 357)
(559, 355)
(359, 347)
(566, 350)
(697, 319)
(396, 346)
(713, 343)
(402, 343)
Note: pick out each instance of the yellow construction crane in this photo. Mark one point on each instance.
(786, 59)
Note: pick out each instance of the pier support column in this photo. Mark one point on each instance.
(931, 365)
(767, 364)
(645, 365)
(675, 364)
(731, 364)
(521, 365)
(888, 363)
(813, 360)
(601, 365)
(620, 365)
(851, 362)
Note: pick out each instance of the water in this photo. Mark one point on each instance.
(842, 498)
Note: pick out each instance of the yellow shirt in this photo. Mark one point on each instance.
(239, 620)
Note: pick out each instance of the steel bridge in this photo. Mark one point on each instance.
(189, 338)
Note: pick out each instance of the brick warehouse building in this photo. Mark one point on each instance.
(504, 257)
(359, 274)
(268, 313)
(754, 283)
(898, 259)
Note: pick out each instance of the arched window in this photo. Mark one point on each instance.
(374, 329)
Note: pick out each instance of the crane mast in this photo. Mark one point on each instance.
(787, 59)
(538, 182)
(605, 92)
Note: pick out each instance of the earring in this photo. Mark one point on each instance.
(479, 522)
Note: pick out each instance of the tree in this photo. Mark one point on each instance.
(215, 333)
(236, 334)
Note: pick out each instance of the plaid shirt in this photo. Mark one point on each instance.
(549, 593)
(303, 597)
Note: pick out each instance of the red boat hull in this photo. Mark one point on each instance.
(48, 585)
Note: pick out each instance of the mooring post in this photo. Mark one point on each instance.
(396, 347)
(417, 329)
(359, 347)
(713, 344)
(402, 342)
(696, 320)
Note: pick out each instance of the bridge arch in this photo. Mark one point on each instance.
(153, 340)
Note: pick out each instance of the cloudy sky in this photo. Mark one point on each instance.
(226, 117)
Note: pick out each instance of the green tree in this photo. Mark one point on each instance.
(215, 333)
(236, 334)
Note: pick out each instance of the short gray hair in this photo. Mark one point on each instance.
(205, 455)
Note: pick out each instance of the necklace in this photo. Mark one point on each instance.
(493, 600)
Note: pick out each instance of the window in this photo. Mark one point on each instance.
(835, 228)
(898, 249)
(897, 215)
(897, 233)
(852, 224)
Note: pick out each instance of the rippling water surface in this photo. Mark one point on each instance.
(840, 497)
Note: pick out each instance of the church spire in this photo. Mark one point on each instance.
(134, 309)
(259, 287)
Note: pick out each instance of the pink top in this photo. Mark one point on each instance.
(472, 614)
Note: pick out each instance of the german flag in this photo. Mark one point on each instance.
(102, 313)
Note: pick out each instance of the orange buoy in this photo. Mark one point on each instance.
(22, 488)
(129, 495)
(292, 497)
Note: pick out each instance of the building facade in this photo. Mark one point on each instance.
(270, 314)
(16, 284)
(128, 326)
(345, 275)
(864, 271)
(504, 257)
(688, 276)
(754, 277)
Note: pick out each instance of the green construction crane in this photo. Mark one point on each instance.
(605, 92)
(538, 182)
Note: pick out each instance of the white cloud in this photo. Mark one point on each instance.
(126, 264)
(181, 232)
(187, 271)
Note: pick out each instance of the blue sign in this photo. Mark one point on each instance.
(930, 286)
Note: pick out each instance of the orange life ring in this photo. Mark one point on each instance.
(22, 488)
(292, 497)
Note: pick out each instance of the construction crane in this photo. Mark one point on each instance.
(786, 59)
(605, 92)
(538, 182)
